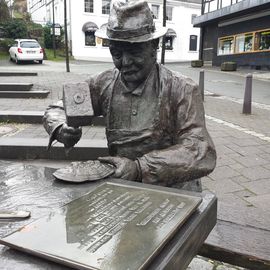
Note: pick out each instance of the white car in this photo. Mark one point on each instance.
(26, 50)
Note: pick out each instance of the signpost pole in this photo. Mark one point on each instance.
(66, 36)
(53, 32)
(164, 37)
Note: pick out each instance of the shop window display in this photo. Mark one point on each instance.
(262, 40)
(226, 45)
(243, 43)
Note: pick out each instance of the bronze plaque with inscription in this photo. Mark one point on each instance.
(115, 227)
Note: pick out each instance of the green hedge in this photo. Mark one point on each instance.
(5, 44)
(15, 28)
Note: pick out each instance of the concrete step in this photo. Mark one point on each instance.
(35, 117)
(28, 117)
(31, 148)
(15, 87)
(24, 94)
(17, 73)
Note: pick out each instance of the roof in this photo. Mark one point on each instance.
(190, 1)
(231, 11)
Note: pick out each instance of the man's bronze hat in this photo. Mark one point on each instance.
(131, 22)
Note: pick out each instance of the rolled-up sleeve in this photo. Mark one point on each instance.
(54, 117)
(192, 154)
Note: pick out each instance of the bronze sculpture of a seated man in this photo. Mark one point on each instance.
(155, 123)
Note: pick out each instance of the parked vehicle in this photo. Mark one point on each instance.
(26, 50)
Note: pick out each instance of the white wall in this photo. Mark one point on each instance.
(181, 23)
(183, 27)
(37, 10)
(79, 50)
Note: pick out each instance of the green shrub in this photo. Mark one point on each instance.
(16, 28)
(228, 66)
(197, 63)
(48, 41)
(35, 31)
(5, 44)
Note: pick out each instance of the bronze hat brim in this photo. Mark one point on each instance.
(102, 33)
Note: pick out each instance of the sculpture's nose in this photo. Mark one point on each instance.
(126, 59)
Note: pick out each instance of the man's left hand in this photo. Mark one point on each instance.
(125, 168)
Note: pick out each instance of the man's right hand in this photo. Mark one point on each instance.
(69, 136)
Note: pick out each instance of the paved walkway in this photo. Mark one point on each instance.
(241, 178)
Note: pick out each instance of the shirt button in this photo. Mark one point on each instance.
(134, 112)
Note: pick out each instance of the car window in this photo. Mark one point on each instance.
(14, 44)
(29, 44)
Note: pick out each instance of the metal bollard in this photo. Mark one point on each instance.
(248, 95)
(201, 83)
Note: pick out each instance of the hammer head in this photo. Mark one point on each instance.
(77, 104)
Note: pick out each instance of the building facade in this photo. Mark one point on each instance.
(86, 16)
(41, 11)
(235, 31)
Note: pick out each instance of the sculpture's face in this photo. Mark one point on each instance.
(134, 60)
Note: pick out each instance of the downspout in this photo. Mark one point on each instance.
(201, 34)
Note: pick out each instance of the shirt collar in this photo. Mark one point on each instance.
(138, 91)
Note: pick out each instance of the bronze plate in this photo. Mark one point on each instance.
(114, 227)
(90, 170)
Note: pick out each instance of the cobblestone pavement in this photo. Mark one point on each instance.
(241, 177)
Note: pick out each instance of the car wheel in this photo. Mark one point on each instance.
(10, 59)
(40, 61)
(16, 60)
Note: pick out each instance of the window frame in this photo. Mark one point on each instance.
(190, 38)
(85, 3)
(167, 18)
(158, 9)
(244, 35)
(107, 10)
(231, 37)
(171, 38)
(94, 44)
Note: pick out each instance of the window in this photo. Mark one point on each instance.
(90, 39)
(155, 10)
(169, 13)
(106, 6)
(29, 44)
(262, 40)
(243, 43)
(89, 6)
(168, 43)
(193, 43)
(226, 45)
